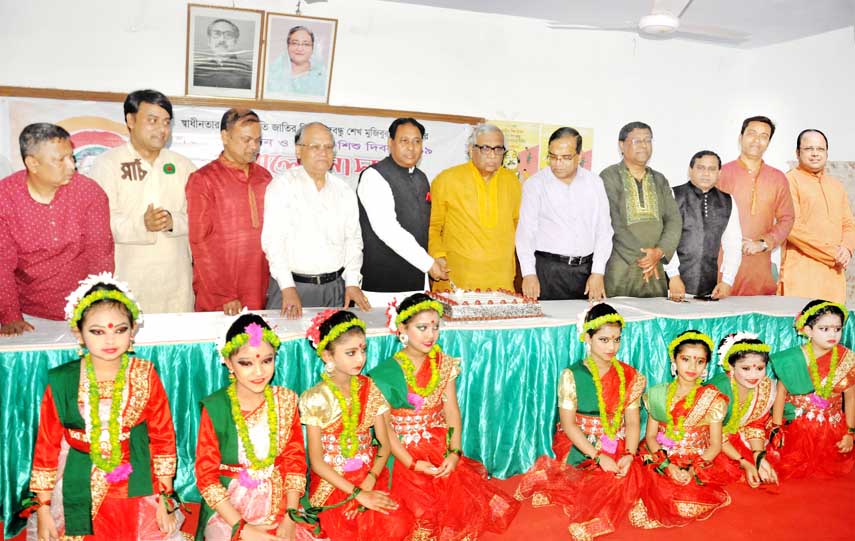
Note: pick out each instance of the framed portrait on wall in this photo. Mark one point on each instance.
(223, 51)
(298, 58)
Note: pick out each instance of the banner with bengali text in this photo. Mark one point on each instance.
(98, 126)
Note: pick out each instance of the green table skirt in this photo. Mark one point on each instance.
(507, 388)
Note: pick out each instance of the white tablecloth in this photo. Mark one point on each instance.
(207, 326)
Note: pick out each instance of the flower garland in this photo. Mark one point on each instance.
(254, 334)
(801, 319)
(610, 427)
(685, 337)
(676, 434)
(401, 317)
(113, 428)
(78, 301)
(598, 322)
(243, 429)
(313, 333)
(348, 440)
(739, 408)
(820, 388)
(410, 371)
(741, 348)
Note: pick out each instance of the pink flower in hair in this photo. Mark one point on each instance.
(313, 333)
(256, 334)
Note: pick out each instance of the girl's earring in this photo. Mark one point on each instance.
(404, 339)
(704, 373)
(80, 352)
(131, 348)
(231, 377)
(673, 369)
(329, 367)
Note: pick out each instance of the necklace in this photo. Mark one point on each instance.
(410, 371)
(348, 439)
(113, 429)
(739, 408)
(610, 427)
(820, 388)
(672, 432)
(243, 429)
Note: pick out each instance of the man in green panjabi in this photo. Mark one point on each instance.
(645, 218)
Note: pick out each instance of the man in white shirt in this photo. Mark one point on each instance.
(311, 233)
(145, 183)
(710, 224)
(394, 214)
(564, 235)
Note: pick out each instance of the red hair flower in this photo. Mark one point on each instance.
(313, 333)
(427, 197)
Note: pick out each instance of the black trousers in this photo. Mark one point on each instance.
(560, 281)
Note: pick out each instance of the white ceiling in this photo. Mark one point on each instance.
(767, 21)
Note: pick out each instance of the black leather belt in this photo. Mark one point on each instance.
(573, 261)
(317, 279)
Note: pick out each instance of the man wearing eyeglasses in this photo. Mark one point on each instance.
(710, 226)
(311, 232)
(220, 66)
(645, 218)
(564, 236)
(820, 245)
(474, 212)
(765, 207)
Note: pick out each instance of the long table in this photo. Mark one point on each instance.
(506, 390)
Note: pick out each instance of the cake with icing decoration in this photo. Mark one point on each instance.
(478, 305)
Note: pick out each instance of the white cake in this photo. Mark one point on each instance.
(465, 304)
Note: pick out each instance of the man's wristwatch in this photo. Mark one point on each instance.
(764, 245)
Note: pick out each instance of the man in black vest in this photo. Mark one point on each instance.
(710, 224)
(394, 214)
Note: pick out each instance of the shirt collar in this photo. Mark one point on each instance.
(817, 176)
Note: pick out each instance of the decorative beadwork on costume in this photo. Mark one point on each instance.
(114, 460)
(822, 388)
(672, 432)
(243, 429)
(685, 337)
(802, 318)
(78, 301)
(349, 437)
(739, 408)
(610, 426)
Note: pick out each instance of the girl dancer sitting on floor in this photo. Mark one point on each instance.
(120, 487)
(447, 493)
(250, 459)
(683, 441)
(816, 396)
(340, 414)
(595, 476)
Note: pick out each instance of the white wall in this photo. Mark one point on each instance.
(399, 56)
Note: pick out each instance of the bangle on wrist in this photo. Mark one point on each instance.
(759, 458)
(412, 466)
(237, 529)
(372, 474)
(851, 430)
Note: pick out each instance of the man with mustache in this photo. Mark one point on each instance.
(221, 66)
(762, 195)
(821, 242)
(145, 183)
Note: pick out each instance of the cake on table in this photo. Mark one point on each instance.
(464, 304)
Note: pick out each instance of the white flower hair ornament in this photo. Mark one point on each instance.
(78, 301)
(726, 348)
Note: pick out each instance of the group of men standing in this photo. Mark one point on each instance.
(230, 235)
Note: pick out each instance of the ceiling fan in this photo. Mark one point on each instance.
(663, 21)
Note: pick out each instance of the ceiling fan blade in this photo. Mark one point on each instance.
(572, 26)
(712, 33)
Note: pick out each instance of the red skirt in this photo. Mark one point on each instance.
(368, 525)
(460, 506)
(664, 503)
(810, 448)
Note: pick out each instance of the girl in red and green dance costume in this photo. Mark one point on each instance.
(595, 476)
(816, 396)
(683, 441)
(447, 493)
(250, 459)
(750, 394)
(120, 488)
(340, 414)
